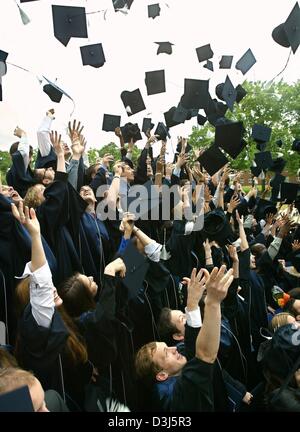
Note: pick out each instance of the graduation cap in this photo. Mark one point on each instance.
(288, 192)
(147, 124)
(129, 131)
(110, 122)
(120, 4)
(3, 66)
(155, 82)
(136, 269)
(216, 227)
(296, 145)
(226, 62)
(288, 33)
(164, 47)
(201, 120)
(196, 94)
(18, 400)
(240, 93)
(3, 56)
(170, 122)
(153, 10)
(54, 92)
(92, 55)
(229, 93)
(162, 131)
(229, 138)
(209, 65)
(278, 165)
(133, 101)
(204, 53)
(255, 170)
(261, 133)
(263, 208)
(246, 62)
(276, 181)
(213, 159)
(263, 160)
(69, 21)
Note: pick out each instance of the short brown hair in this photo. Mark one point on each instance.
(145, 367)
(12, 378)
(279, 320)
(6, 359)
(165, 327)
(31, 198)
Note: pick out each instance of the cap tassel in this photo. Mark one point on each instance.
(25, 19)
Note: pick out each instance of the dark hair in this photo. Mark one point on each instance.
(14, 148)
(91, 171)
(258, 249)
(165, 327)
(295, 293)
(76, 297)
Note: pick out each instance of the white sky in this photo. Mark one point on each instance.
(231, 27)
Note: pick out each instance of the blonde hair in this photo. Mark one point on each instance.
(280, 320)
(32, 198)
(145, 366)
(12, 378)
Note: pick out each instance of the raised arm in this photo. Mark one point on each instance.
(23, 146)
(43, 133)
(243, 237)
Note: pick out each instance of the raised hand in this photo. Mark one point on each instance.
(56, 142)
(233, 253)
(118, 132)
(18, 132)
(239, 218)
(75, 131)
(127, 222)
(233, 203)
(296, 245)
(27, 218)
(116, 266)
(195, 287)
(107, 158)
(217, 285)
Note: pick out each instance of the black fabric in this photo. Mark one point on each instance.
(19, 178)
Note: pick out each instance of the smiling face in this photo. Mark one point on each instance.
(178, 319)
(169, 360)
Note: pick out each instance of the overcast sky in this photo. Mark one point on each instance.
(231, 27)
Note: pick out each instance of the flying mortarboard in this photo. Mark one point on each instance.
(216, 227)
(147, 124)
(3, 56)
(213, 159)
(169, 120)
(263, 160)
(226, 62)
(120, 4)
(288, 192)
(204, 53)
(69, 21)
(246, 62)
(110, 122)
(276, 181)
(240, 93)
(133, 101)
(18, 400)
(288, 33)
(180, 114)
(229, 138)
(196, 94)
(153, 10)
(209, 65)
(155, 82)
(229, 93)
(129, 131)
(201, 119)
(54, 92)
(278, 165)
(265, 207)
(164, 47)
(162, 131)
(255, 170)
(92, 55)
(261, 133)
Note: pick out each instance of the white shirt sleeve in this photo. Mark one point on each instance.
(274, 247)
(41, 294)
(193, 318)
(43, 136)
(176, 171)
(23, 148)
(152, 250)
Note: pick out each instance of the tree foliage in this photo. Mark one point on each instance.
(276, 106)
(112, 149)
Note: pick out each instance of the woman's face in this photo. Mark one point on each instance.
(89, 284)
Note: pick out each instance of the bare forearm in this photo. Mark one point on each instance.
(38, 258)
(61, 165)
(208, 340)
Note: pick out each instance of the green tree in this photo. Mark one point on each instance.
(277, 106)
(112, 149)
(5, 163)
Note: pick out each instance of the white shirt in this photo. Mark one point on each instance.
(152, 250)
(43, 136)
(41, 294)
(193, 318)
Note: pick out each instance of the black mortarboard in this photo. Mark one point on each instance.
(216, 227)
(120, 4)
(296, 145)
(196, 94)
(155, 82)
(288, 33)
(276, 181)
(255, 170)
(204, 53)
(288, 192)
(261, 133)
(263, 208)
(92, 55)
(219, 91)
(69, 21)
(110, 122)
(133, 101)
(162, 131)
(209, 65)
(201, 119)
(229, 138)
(215, 111)
(278, 165)
(54, 92)
(164, 47)
(279, 143)
(147, 124)
(240, 93)
(263, 160)
(246, 62)
(169, 118)
(226, 62)
(212, 159)
(229, 93)
(3, 56)
(153, 10)
(18, 400)
(136, 269)
(180, 114)
(129, 131)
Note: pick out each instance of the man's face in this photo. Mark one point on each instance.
(87, 194)
(168, 359)
(178, 319)
(9, 192)
(47, 175)
(128, 172)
